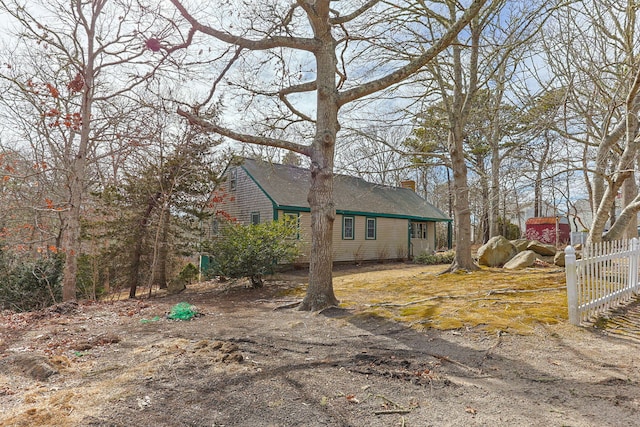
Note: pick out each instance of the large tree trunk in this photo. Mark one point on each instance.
(463, 259)
(71, 236)
(77, 183)
(320, 291)
(458, 112)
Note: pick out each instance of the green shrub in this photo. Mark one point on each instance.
(30, 284)
(252, 250)
(509, 230)
(437, 258)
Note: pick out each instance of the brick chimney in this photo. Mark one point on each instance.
(408, 183)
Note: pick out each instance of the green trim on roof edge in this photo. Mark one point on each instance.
(363, 213)
(273, 202)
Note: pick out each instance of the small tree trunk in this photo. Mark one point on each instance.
(494, 194)
(161, 265)
(136, 256)
(629, 193)
(483, 235)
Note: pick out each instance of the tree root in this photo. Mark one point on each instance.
(455, 268)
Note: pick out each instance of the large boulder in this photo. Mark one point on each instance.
(520, 244)
(521, 260)
(497, 251)
(542, 248)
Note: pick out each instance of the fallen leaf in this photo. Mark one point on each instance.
(351, 398)
(471, 410)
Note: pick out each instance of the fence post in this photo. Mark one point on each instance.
(572, 284)
(633, 267)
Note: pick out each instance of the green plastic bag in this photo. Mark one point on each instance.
(183, 311)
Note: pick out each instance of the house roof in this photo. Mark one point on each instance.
(288, 187)
(547, 220)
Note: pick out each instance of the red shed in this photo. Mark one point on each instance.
(544, 229)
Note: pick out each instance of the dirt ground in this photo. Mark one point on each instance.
(248, 361)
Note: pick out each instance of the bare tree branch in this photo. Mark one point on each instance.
(308, 45)
(414, 65)
(207, 126)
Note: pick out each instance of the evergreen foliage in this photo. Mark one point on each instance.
(252, 250)
(30, 284)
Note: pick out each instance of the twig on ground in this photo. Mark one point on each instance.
(392, 411)
(290, 305)
(519, 291)
(389, 401)
(455, 362)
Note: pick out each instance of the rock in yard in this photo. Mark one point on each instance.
(520, 244)
(522, 260)
(497, 251)
(559, 259)
(542, 248)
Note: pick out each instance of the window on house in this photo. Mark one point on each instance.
(347, 228)
(293, 220)
(233, 179)
(255, 218)
(215, 227)
(371, 229)
(418, 230)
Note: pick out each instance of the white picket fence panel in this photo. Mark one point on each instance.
(605, 277)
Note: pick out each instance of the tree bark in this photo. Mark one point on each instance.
(494, 192)
(71, 237)
(160, 271)
(320, 290)
(462, 212)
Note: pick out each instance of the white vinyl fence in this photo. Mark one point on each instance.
(604, 277)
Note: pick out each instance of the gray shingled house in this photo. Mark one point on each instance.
(373, 222)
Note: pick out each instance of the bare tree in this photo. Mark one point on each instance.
(89, 57)
(468, 83)
(328, 42)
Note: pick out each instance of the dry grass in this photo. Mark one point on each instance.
(490, 299)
